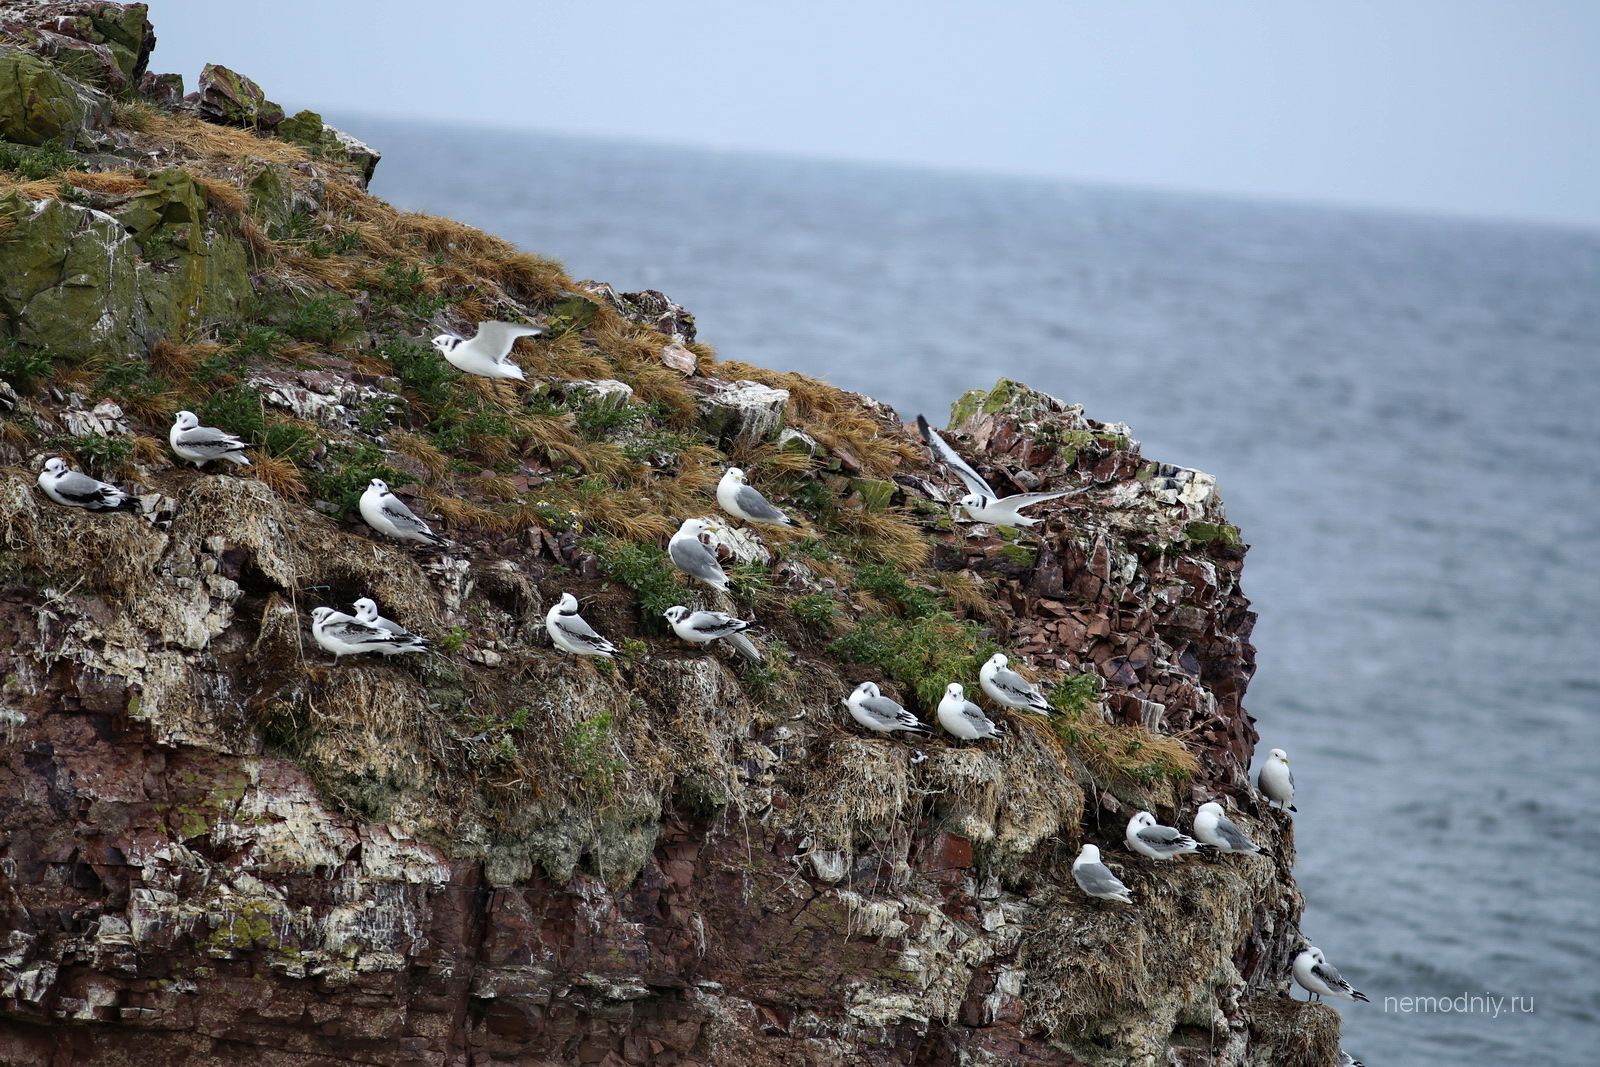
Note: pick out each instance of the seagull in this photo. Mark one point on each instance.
(704, 627)
(202, 444)
(1277, 780)
(367, 614)
(1347, 1060)
(878, 713)
(486, 354)
(81, 491)
(571, 634)
(387, 514)
(982, 503)
(1096, 879)
(743, 502)
(344, 636)
(1149, 838)
(1213, 828)
(964, 719)
(1319, 977)
(693, 558)
(1009, 688)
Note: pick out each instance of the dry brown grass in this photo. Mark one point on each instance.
(422, 450)
(282, 475)
(194, 140)
(114, 183)
(887, 536)
(458, 512)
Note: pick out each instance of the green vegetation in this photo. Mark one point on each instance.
(34, 164)
(454, 641)
(924, 654)
(22, 364)
(643, 568)
(1208, 533)
(589, 752)
(819, 610)
(345, 474)
(886, 581)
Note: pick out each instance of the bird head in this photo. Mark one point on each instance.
(864, 690)
(446, 343)
(735, 474)
(997, 660)
(378, 484)
(318, 614)
(1279, 754)
(974, 500)
(54, 465)
(675, 613)
(1089, 854)
(186, 420)
(1211, 807)
(955, 691)
(1144, 818)
(366, 608)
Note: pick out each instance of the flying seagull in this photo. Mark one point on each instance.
(743, 502)
(964, 719)
(1319, 977)
(486, 355)
(367, 614)
(81, 491)
(704, 627)
(1009, 688)
(388, 514)
(877, 712)
(1213, 828)
(693, 558)
(344, 636)
(1096, 879)
(982, 503)
(202, 444)
(1148, 838)
(571, 634)
(1277, 780)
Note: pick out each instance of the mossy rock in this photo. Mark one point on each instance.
(1209, 533)
(228, 98)
(875, 495)
(573, 312)
(303, 128)
(37, 104)
(271, 199)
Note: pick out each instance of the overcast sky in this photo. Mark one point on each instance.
(1485, 107)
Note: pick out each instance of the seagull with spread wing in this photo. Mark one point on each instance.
(488, 354)
(982, 503)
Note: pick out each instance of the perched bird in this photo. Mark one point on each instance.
(743, 502)
(202, 444)
(964, 719)
(571, 634)
(81, 491)
(1319, 977)
(704, 627)
(1096, 879)
(1213, 828)
(1008, 688)
(344, 636)
(690, 555)
(1149, 838)
(877, 712)
(1347, 1060)
(1277, 780)
(982, 503)
(388, 514)
(367, 613)
(486, 354)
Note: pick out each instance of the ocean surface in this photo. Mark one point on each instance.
(1401, 412)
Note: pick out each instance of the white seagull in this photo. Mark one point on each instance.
(982, 503)
(690, 555)
(388, 514)
(202, 444)
(1316, 975)
(367, 614)
(344, 636)
(704, 627)
(877, 712)
(964, 719)
(1149, 838)
(1213, 828)
(81, 491)
(1096, 879)
(571, 634)
(1277, 780)
(486, 354)
(743, 502)
(1009, 688)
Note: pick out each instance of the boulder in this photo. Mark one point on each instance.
(107, 44)
(740, 411)
(39, 104)
(228, 98)
(307, 129)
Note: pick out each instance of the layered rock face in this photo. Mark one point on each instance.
(216, 845)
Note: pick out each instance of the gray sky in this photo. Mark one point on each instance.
(1483, 107)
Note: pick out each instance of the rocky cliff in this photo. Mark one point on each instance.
(216, 846)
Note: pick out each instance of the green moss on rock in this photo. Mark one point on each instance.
(37, 104)
(1206, 533)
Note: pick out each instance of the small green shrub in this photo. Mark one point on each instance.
(587, 749)
(924, 655)
(238, 411)
(886, 580)
(646, 570)
(818, 610)
(454, 641)
(48, 159)
(320, 320)
(345, 475)
(21, 364)
(421, 369)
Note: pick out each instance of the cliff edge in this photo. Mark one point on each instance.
(216, 845)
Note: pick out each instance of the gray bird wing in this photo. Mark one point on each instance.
(757, 506)
(1163, 838)
(1234, 836)
(1014, 683)
(85, 490)
(498, 337)
(974, 714)
(209, 440)
(696, 560)
(716, 624)
(1022, 500)
(745, 646)
(1097, 880)
(950, 458)
(352, 632)
(397, 513)
(1291, 777)
(888, 712)
(575, 629)
(1327, 973)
